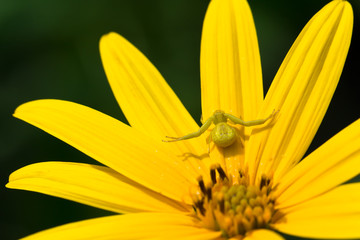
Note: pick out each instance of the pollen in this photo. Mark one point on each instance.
(233, 207)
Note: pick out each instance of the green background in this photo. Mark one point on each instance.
(49, 49)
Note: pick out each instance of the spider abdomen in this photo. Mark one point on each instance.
(223, 135)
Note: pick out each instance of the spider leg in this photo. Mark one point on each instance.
(201, 130)
(237, 120)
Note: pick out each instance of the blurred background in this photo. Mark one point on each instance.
(49, 49)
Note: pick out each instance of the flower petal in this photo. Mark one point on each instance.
(147, 101)
(302, 90)
(93, 185)
(262, 234)
(231, 78)
(333, 163)
(112, 143)
(334, 215)
(134, 226)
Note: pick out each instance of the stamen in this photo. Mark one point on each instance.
(221, 173)
(221, 202)
(209, 193)
(200, 205)
(233, 206)
(202, 185)
(213, 175)
(264, 182)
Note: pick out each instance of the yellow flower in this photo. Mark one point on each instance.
(179, 191)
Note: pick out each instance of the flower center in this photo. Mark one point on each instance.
(233, 207)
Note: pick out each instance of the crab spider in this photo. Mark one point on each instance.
(223, 135)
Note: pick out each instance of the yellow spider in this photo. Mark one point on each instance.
(223, 135)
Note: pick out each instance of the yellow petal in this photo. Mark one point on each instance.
(110, 142)
(334, 215)
(262, 234)
(230, 61)
(333, 163)
(231, 78)
(134, 226)
(302, 90)
(147, 101)
(93, 185)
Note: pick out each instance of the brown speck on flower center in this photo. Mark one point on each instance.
(233, 207)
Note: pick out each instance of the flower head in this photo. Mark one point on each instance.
(182, 189)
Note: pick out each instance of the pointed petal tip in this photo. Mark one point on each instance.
(24, 107)
(109, 35)
(108, 38)
(10, 184)
(31, 105)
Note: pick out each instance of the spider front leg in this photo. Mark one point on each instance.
(202, 129)
(237, 120)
